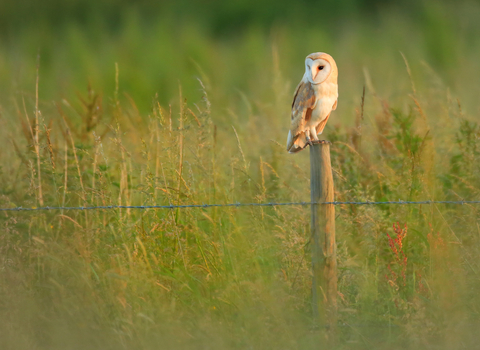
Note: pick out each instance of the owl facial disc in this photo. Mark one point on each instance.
(317, 71)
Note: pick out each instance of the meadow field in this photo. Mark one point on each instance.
(180, 104)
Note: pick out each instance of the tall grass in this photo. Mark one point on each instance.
(231, 278)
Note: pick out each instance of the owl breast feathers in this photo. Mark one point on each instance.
(315, 98)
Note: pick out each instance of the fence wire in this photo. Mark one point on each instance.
(400, 202)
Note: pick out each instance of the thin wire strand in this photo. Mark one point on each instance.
(233, 205)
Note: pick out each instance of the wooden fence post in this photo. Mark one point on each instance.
(324, 256)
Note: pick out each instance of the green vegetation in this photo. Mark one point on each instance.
(189, 109)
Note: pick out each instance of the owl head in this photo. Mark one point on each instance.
(319, 67)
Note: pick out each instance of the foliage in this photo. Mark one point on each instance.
(231, 278)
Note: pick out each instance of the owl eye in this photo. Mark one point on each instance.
(321, 67)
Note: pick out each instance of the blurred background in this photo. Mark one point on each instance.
(188, 102)
(235, 46)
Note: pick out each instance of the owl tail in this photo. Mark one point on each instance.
(296, 143)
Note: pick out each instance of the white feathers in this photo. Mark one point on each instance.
(315, 98)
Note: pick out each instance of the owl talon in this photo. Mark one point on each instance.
(309, 142)
(320, 142)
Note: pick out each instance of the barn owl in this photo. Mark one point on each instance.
(314, 100)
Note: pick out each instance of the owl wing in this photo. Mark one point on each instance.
(303, 104)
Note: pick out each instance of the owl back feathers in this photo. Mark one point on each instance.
(303, 104)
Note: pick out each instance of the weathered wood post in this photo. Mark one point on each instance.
(324, 256)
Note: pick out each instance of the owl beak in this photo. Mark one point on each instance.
(308, 71)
